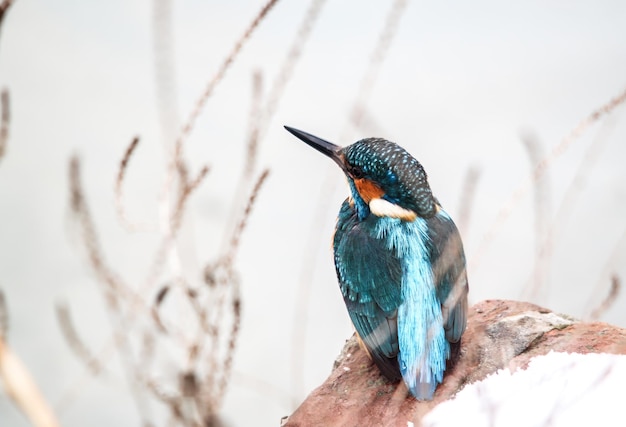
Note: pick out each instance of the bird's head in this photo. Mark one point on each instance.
(384, 178)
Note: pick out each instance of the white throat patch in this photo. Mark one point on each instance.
(382, 208)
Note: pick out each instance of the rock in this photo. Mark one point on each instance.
(500, 334)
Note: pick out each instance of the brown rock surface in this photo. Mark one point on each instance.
(499, 334)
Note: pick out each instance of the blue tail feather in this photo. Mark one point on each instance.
(421, 336)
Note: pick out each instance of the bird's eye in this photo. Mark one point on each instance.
(356, 172)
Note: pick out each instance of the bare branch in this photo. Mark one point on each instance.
(522, 190)
(468, 195)
(574, 189)
(377, 58)
(221, 72)
(4, 317)
(115, 285)
(616, 286)
(4, 6)
(4, 120)
(187, 189)
(115, 291)
(74, 341)
(236, 236)
(542, 203)
(293, 55)
(365, 122)
(165, 69)
(232, 342)
(20, 386)
(119, 186)
(254, 122)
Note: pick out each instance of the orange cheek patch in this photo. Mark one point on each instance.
(368, 190)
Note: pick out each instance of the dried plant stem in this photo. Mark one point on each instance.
(4, 6)
(114, 283)
(174, 222)
(468, 195)
(74, 341)
(208, 348)
(165, 70)
(224, 272)
(254, 123)
(293, 55)
(542, 203)
(20, 386)
(303, 292)
(612, 261)
(261, 116)
(243, 221)
(177, 164)
(522, 190)
(366, 124)
(573, 192)
(610, 299)
(231, 344)
(4, 120)
(115, 291)
(221, 72)
(119, 196)
(377, 58)
(4, 317)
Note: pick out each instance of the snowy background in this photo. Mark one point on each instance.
(461, 86)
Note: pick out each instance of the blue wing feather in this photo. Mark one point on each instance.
(448, 264)
(369, 277)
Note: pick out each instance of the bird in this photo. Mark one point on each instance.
(399, 261)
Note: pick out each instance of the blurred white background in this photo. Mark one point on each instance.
(460, 86)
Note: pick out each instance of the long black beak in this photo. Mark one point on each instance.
(328, 148)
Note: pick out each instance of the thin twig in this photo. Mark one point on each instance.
(522, 190)
(611, 297)
(231, 346)
(165, 70)
(468, 196)
(291, 60)
(576, 185)
(115, 291)
(116, 287)
(4, 120)
(175, 222)
(4, 6)
(254, 122)
(221, 72)
(119, 196)
(243, 221)
(542, 199)
(610, 264)
(74, 341)
(261, 116)
(366, 124)
(377, 58)
(20, 386)
(223, 274)
(4, 317)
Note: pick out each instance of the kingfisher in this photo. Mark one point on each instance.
(399, 261)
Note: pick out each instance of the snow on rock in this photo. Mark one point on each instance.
(558, 389)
